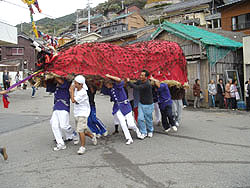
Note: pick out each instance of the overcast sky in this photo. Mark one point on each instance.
(15, 11)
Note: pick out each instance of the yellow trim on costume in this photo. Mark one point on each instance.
(34, 29)
(29, 2)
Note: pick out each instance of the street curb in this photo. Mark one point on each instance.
(217, 110)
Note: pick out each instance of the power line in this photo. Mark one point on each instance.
(25, 8)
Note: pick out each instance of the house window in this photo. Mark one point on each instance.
(241, 22)
(216, 24)
(17, 51)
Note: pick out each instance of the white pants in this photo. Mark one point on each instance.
(60, 122)
(130, 124)
(116, 120)
(177, 107)
(157, 112)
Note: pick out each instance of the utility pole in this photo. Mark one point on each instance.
(77, 20)
(88, 17)
(213, 9)
(122, 4)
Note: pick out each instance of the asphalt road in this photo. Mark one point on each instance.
(211, 149)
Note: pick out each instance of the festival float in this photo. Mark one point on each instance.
(164, 60)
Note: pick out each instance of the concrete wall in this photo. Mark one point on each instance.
(246, 56)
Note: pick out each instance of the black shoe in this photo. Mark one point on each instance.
(115, 132)
(68, 140)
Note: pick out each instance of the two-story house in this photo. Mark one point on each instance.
(8, 36)
(21, 54)
(154, 3)
(190, 12)
(95, 22)
(235, 16)
(124, 22)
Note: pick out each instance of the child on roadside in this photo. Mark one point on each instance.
(79, 96)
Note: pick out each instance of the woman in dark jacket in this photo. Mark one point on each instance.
(220, 93)
(197, 93)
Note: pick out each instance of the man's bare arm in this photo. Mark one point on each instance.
(157, 82)
(3, 92)
(117, 79)
(71, 92)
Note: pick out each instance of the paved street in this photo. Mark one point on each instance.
(211, 149)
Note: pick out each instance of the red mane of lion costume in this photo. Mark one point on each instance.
(164, 60)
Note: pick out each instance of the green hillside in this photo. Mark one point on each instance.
(48, 25)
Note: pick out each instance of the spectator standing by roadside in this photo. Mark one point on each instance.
(233, 95)
(247, 93)
(220, 93)
(17, 77)
(197, 93)
(6, 80)
(211, 93)
(227, 94)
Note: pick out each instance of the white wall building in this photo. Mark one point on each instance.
(246, 56)
(8, 34)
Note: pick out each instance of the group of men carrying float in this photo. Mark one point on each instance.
(82, 94)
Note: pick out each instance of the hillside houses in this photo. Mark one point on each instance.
(132, 25)
(124, 22)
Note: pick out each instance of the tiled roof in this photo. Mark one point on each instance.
(119, 17)
(232, 2)
(183, 5)
(197, 34)
(124, 34)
